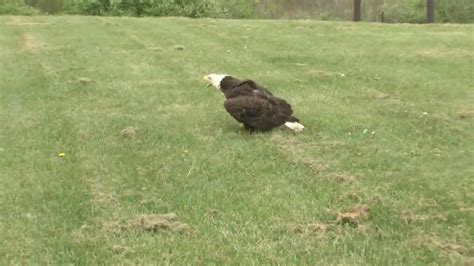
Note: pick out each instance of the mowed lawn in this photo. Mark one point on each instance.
(383, 173)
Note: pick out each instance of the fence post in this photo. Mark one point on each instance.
(357, 10)
(430, 7)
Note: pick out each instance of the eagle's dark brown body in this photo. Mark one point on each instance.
(254, 105)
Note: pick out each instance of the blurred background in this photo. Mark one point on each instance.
(387, 11)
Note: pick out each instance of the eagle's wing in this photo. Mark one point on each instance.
(259, 112)
(248, 83)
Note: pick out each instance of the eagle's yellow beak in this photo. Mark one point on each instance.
(206, 78)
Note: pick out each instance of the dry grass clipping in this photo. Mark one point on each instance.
(155, 49)
(451, 248)
(103, 199)
(129, 132)
(84, 81)
(382, 96)
(455, 251)
(148, 222)
(465, 113)
(156, 222)
(212, 213)
(178, 48)
(119, 248)
(317, 228)
(363, 229)
(409, 217)
(355, 216)
(82, 233)
(344, 177)
(324, 74)
(466, 209)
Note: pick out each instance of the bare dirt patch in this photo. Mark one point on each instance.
(449, 33)
(444, 53)
(24, 21)
(30, 43)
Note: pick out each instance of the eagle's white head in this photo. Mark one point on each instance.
(215, 79)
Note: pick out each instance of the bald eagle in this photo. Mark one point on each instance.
(253, 105)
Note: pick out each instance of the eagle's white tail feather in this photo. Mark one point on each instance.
(295, 126)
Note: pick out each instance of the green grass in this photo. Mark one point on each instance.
(390, 106)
